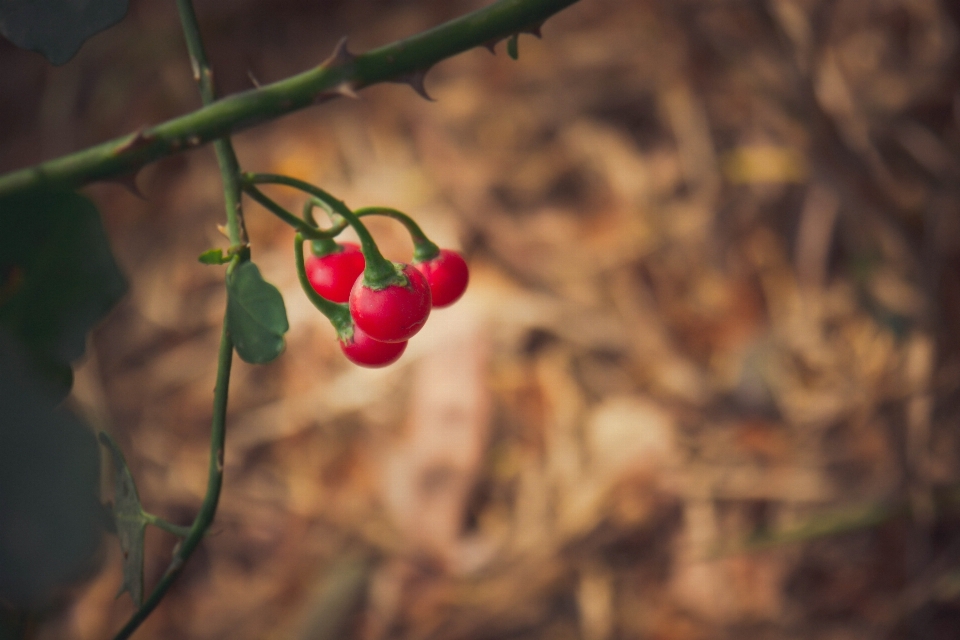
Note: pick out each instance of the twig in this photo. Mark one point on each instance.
(342, 74)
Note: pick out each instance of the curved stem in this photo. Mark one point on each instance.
(378, 272)
(322, 246)
(308, 216)
(169, 527)
(230, 172)
(226, 156)
(288, 217)
(396, 62)
(338, 314)
(214, 481)
(423, 248)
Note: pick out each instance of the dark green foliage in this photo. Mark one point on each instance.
(256, 317)
(50, 514)
(57, 28)
(57, 276)
(129, 521)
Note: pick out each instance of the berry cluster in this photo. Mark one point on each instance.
(377, 305)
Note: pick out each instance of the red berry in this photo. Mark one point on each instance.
(447, 275)
(395, 313)
(363, 350)
(333, 275)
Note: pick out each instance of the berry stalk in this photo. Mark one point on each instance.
(337, 314)
(379, 272)
(423, 248)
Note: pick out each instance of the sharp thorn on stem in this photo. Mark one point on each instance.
(415, 80)
(129, 182)
(139, 138)
(223, 231)
(491, 46)
(253, 79)
(534, 30)
(340, 56)
(344, 89)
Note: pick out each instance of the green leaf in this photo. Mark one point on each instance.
(256, 317)
(50, 513)
(213, 256)
(130, 521)
(512, 49)
(57, 275)
(57, 28)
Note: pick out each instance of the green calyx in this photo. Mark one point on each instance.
(380, 275)
(395, 277)
(324, 247)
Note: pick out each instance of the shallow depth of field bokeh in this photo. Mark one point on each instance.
(708, 362)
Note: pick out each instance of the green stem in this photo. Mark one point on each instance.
(229, 171)
(322, 246)
(379, 272)
(317, 202)
(337, 314)
(292, 220)
(169, 527)
(423, 248)
(308, 216)
(396, 62)
(226, 156)
(214, 481)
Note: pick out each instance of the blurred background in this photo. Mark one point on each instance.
(705, 382)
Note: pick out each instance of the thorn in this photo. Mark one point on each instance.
(223, 231)
(340, 57)
(256, 83)
(415, 80)
(129, 182)
(344, 89)
(491, 46)
(137, 139)
(534, 30)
